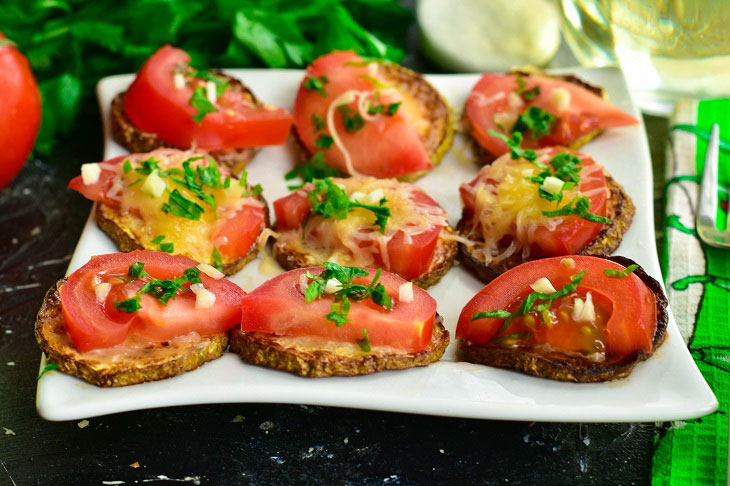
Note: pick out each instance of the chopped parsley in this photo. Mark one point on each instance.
(217, 261)
(516, 152)
(346, 292)
(375, 109)
(46, 369)
(374, 81)
(611, 273)
(527, 94)
(314, 168)
(537, 120)
(255, 191)
(221, 85)
(318, 122)
(162, 290)
(331, 201)
(534, 302)
(563, 166)
(351, 119)
(165, 247)
(126, 166)
(179, 205)
(390, 110)
(393, 108)
(202, 104)
(364, 343)
(147, 167)
(578, 206)
(323, 141)
(317, 84)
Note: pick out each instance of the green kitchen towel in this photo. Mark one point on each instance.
(697, 277)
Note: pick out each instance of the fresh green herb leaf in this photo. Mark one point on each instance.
(126, 166)
(377, 84)
(331, 201)
(146, 167)
(578, 206)
(521, 84)
(375, 109)
(243, 180)
(221, 84)
(563, 166)
(202, 105)
(532, 299)
(167, 247)
(531, 94)
(136, 270)
(535, 119)
(217, 261)
(323, 141)
(317, 84)
(516, 152)
(255, 191)
(46, 369)
(611, 273)
(157, 240)
(393, 108)
(318, 122)
(364, 343)
(496, 314)
(179, 205)
(129, 306)
(350, 118)
(315, 168)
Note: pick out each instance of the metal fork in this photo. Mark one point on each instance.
(707, 207)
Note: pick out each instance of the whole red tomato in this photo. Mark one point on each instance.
(20, 111)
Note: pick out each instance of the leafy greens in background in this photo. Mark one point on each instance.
(70, 44)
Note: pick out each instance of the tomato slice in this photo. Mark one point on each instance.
(100, 190)
(385, 146)
(291, 210)
(573, 233)
(626, 304)
(234, 236)
(278, 307)
(156, 105)
(585, 111)
(93, 324)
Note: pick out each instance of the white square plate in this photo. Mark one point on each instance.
(668, 386)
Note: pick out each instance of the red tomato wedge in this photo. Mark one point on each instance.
(99, 190)
(573, 233)
(278, 307)
(585, 111)
(93, 324)
(409, 257)
(385, 146)
(625, 306)
(234, 236)
(156, 105)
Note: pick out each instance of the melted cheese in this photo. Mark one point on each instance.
(190, 237)
(508, 205)
(355, 241)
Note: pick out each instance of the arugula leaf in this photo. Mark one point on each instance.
(364, 343)
(611, 273)
(46, 369)
(578, 206)
(535, 119)
(331, 201)
(217, 261)
(202, 104)
(314, 168)
(317, 84)
(350, 118)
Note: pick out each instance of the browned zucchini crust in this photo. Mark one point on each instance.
(439, 135)
(117, 226)
(485, 157)
(559, 366)
(290, 257)
(133, 139)
(156, 361)
(620, 211)
(268, 350)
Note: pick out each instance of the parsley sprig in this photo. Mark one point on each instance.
(611, 273)
(314, 168)
(317, 85)
(537, 120)
(350, 118)
(578, 206)
(516, 152)
(347, 292)
(563, 166)
(162, 290)
(202, 104)
(331, 201)
(526, 94)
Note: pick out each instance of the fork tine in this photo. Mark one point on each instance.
(707, 206)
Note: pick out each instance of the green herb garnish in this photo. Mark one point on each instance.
(537, 120)
(317, 84)
(347, 291)
(578, 206)
(221, 85)
(165, 247)
(364, 343)
(563, 166)
(46, 369)
(318, 122)
(126, 166)
(217, 261)
(496, 314)
(531, 94)
(393, 108)
(179, 205)
(136, 270)
(375, 82)
(147, 167)
(323, 141)
(314, 168)
(611, 273)
(202, 104)
(375, 109)
(350, 118)
(331, 201)
(516, 152)
(162, 290)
